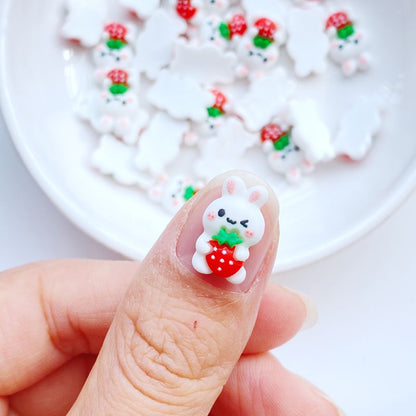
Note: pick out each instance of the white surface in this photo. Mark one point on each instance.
(362, 350)
(340, 202)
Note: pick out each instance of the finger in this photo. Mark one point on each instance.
(261, 385)
(55, 394)
(282, 314)
(53, 311)
(56, 310)
(178, 333)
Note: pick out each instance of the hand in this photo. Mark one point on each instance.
(152, 338)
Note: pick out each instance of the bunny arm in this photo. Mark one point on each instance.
(241, 253)
(202, 244)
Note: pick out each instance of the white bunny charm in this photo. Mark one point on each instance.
(232, 224)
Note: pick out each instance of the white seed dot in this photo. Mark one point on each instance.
(230, 262)
(213, 257)
(215, 249)
(222, 261)
(219, 269)
(224, 252)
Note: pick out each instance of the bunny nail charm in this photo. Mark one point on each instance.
(232, 224)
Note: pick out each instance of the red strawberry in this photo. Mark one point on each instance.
(338, 20)
(185, 9)
(267, 28)
(220, 100)
(221, 260)
(237, 25)
(272, 132)
(118, 76)
(116, 31)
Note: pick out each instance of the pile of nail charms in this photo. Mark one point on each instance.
(213, 80)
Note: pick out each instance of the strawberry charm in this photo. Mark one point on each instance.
(343, 25)
(236, 26)
(119, 81)
(232, 224)
(115, 50)
(274, 134)
(185, 9)
(218, 109)
(348, 46)
(117, 34)
(266, 32)
(283, 154)
(221, 260)
(258, 50)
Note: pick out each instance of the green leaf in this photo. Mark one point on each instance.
(117, 89)
(346, 31)
(230, 238)
(282, 142)
(115, 44)
(189, 193)
(261, 42)
(214, 112)
(225, 31)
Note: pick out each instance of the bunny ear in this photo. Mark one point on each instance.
(258, 195)
(234, 186)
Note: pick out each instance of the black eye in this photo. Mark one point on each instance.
(340, 46)
(117, 58)
(124, 102)
(221, 212)
(356, 41)
(244, 223)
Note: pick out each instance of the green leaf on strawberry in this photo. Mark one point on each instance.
(227, 237)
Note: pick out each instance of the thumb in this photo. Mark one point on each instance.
(178, 333)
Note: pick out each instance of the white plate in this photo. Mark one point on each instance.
(41, 77)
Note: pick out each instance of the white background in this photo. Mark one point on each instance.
(362, 350)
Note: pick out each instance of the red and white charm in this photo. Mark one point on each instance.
(232, 224)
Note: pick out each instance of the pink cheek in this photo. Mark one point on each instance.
(130, 100)
(249, 234)
(104, 95)
(175, 202)
(124, 57)
(248, 46)
(211, 216)
(271, 58)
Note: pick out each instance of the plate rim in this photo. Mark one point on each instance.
(79, 218)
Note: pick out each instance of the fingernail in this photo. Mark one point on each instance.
(338, 410)
(230, 233)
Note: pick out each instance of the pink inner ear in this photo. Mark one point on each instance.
(255, 196)
(230, 187)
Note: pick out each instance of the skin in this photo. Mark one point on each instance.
(90, 337)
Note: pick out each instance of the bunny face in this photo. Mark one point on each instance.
(118, 105)
(209, 127)
(173, 196)
(238, 210)
(210, 31)
(286, 159)
(345, 49)
(104, 57)
(257, 58)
